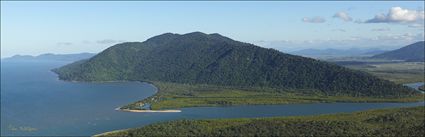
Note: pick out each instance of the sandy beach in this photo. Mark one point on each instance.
(148, 111)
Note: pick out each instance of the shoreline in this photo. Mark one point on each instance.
(148, 111)
(177, 111)
(119, 108)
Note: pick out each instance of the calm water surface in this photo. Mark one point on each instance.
(35, 102)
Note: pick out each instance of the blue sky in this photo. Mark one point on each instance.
(71, 27)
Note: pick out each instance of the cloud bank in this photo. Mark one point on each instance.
(385, 41)
(399, 15)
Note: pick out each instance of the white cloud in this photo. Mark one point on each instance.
(399, 15)
(381, 29)
(343, 16)
(406, 36)
(313, 20)
(108, 41)
(64, 43)
(340, 30)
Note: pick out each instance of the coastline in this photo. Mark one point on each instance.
(148, 111)
(119, 108)
(176, 110)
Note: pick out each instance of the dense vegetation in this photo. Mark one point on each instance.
(412, 52)
(173, 95)
(384, 122)
(198, 58)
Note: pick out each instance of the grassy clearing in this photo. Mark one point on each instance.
(401, 72)
(383, 122)
(172, 95)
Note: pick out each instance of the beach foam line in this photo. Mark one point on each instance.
(148, 111)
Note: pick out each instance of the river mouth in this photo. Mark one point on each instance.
(35, 103)
(415, 86)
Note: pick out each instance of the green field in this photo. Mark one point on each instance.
(172, 95)
(383, 122)
(400, 72)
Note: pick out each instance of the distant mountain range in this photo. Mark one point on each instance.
(199, 58)
(50, 57)
(318, 53)
(412, 52)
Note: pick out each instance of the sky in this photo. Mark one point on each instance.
(32, 28)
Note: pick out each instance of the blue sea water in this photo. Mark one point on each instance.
(35, 102)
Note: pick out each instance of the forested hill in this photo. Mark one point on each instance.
(412, 52)
(198, 58)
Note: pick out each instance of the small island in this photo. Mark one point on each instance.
(144, 107)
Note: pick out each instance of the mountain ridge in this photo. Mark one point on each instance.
(411, 52)
(51, 56)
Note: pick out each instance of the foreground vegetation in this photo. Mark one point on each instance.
(172, 95)
(383, 122)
